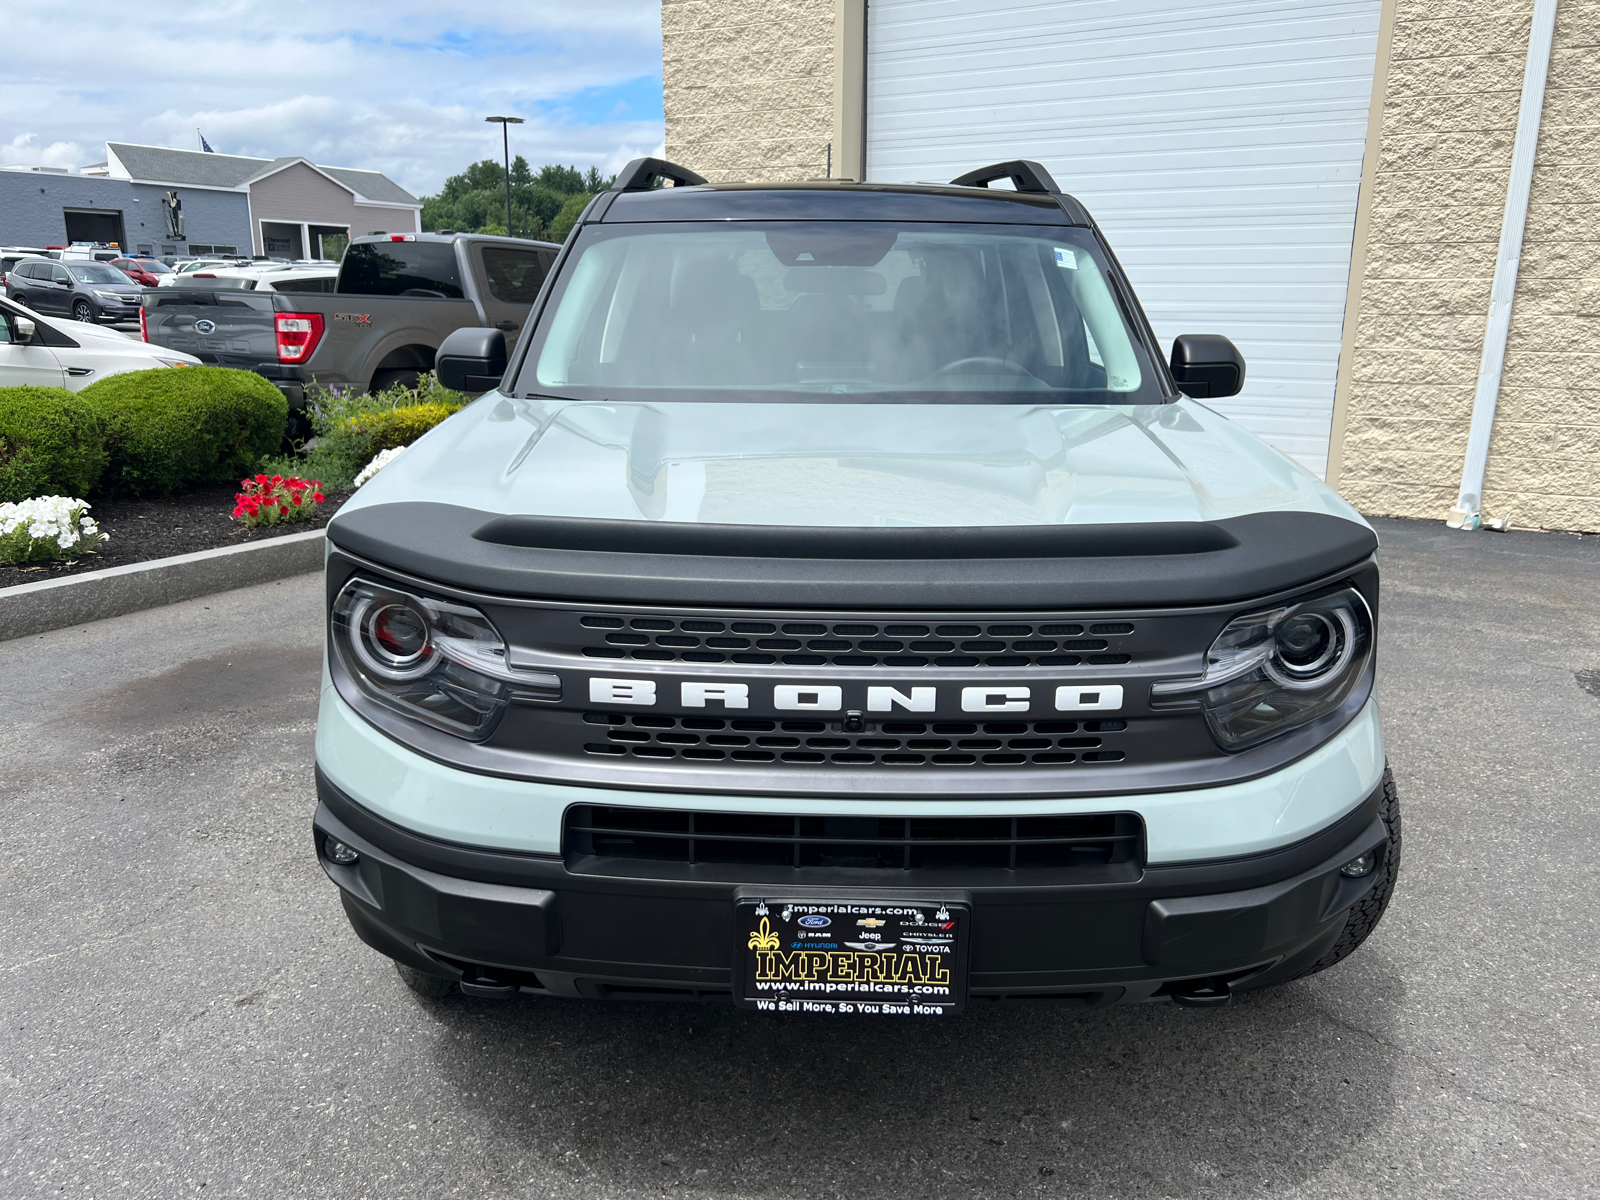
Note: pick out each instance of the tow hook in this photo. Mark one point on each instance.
(477, 983)
(1202, 993)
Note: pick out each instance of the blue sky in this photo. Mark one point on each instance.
(401, 87)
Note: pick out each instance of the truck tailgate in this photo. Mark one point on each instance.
(227, 327)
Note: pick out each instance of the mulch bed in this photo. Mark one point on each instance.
(141, 530)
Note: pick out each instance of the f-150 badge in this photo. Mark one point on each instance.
(355, 318)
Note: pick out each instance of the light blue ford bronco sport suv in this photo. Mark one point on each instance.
(836, 603)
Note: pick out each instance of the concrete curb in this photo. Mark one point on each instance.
(30, 608)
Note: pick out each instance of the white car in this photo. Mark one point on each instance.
(181, 271)
(39, 352)
(274, 277)
(306, 276)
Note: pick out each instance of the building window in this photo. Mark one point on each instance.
(279, 239)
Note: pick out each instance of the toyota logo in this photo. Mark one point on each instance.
(204, 326)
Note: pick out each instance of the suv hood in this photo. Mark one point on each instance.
(826, 464)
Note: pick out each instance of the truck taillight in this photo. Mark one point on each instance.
(144, 329)
(298, 335)
(402, 237)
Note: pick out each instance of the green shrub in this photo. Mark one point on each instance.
(380, 431)
(172, 428)
(351, 429)
(50, 444)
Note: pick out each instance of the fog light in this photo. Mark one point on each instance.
(1356, 868)
(345, 855)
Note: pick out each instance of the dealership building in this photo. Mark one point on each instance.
(155, 200)
(1337, 187)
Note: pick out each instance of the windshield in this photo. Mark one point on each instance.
(97, 273)
(793, 310)
(152, 265)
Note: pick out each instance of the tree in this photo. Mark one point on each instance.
(568, 217)
(475, 200)
(565, 180)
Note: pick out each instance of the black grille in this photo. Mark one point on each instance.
(736, 740)
(855, 643)
(862, 843)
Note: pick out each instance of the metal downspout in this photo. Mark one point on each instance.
(1467, 514)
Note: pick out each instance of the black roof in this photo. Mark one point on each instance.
(842, 201)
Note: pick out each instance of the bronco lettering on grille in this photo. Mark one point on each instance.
(830, 697)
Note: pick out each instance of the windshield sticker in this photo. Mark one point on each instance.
(1066, 258)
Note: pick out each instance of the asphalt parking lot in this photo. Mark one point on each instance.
(186, 1012)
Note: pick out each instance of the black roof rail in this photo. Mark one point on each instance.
(1025, 175)
(641, 174)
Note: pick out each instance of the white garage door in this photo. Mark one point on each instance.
(1219, 145)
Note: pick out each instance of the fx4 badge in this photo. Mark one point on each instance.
(354, 318)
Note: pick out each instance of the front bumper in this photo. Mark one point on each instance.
(515, 920)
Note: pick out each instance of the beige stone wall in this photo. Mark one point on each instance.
(1444, 158)
(1544, 457)
(749, 87)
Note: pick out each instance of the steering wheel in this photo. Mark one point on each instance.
(963, 366)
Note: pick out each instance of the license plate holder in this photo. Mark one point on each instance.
(809, 955)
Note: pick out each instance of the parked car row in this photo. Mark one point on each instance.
(35, 351)
(83, 289)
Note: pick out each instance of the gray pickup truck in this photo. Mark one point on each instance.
(397, 297)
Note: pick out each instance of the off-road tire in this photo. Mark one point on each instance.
(1364, 914)
(429, 987)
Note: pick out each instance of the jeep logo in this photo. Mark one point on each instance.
(829, 697)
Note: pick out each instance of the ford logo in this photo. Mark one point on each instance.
(815, 922)
(204, 326)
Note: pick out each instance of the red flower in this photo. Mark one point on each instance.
(283, 511)
(318, 497)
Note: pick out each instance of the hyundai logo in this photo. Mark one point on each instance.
(205, 326)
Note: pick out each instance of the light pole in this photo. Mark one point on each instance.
(505, 137)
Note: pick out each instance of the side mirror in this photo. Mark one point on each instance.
(471, 360)
(25, 330)
(1207, 366)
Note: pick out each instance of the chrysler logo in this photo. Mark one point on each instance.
(829, 697)
(205, 326)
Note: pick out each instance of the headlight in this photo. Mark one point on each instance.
(1268, 673)
(172, 362)
(110, 297)
(436, 661)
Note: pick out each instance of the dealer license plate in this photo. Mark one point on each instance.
(901, 958)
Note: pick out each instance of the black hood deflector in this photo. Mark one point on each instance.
(1028, 566)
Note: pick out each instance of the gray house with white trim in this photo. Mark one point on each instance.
(297, 209)
(156, 200)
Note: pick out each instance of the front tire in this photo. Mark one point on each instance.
(83, 311)
(382, 381)
(429, 987)
(1364, 914)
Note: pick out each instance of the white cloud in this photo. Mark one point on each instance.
(401, 87)
(24, 150)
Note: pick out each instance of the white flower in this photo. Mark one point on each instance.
(378, 464)
(51, 518)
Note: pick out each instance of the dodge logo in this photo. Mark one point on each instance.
(829, 697)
